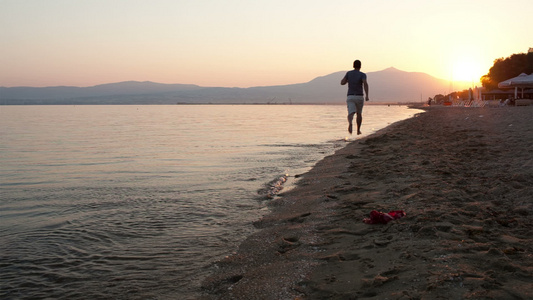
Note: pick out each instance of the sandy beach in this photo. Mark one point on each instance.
(464, 178)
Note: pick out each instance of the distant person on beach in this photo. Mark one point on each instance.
(356, 82)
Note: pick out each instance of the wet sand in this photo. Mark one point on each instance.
(464, 177)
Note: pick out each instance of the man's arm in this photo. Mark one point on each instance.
(344, 80)
(365, 86)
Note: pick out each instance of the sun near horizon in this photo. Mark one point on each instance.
(467, 69)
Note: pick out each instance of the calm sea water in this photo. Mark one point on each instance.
(137, 202)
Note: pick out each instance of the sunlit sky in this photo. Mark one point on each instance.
(243, 43)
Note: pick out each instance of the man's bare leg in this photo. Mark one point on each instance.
(350, 120)
(359, 121)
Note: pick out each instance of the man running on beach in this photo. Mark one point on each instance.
(356, 82)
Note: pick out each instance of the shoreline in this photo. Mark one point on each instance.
(462, 175)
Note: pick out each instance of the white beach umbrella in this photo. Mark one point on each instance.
(521, 81)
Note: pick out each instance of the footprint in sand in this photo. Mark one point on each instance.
(288, 243)
(300, 218)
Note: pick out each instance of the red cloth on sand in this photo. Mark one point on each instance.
(377, 217)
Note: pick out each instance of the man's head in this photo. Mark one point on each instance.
(357, 64)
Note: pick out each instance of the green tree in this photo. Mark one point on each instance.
(509, 67)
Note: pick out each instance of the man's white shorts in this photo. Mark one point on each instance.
(355, 104)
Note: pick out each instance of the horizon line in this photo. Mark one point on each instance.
(193, 84)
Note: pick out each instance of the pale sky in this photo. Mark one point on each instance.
(243, 43)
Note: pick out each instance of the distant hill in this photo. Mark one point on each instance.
(111, 90)
(389, 85)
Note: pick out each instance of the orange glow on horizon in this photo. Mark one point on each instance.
(467, 69)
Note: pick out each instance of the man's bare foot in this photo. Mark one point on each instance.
(350, 128)
(358, 132)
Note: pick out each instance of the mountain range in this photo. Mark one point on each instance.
(389, 85)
